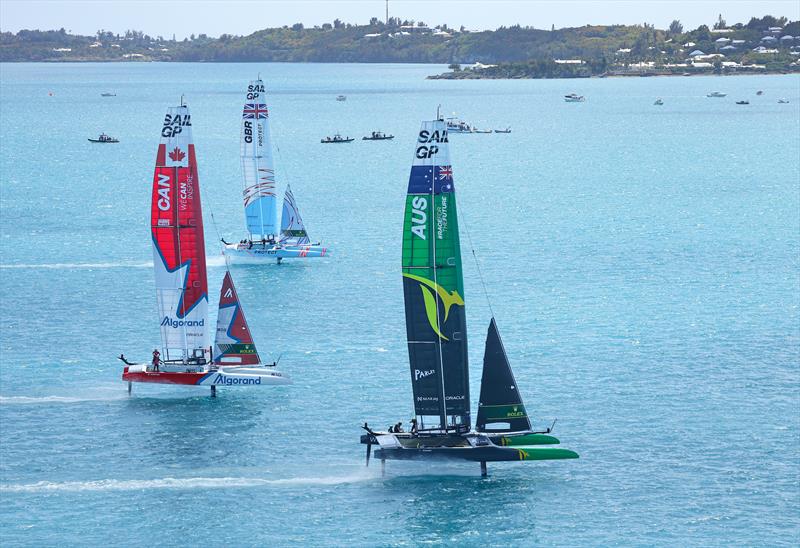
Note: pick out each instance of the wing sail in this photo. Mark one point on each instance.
(293, 231)
(433, 286)
(258, 169)
(179, 254)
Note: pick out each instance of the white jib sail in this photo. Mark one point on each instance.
(258, 170)
(293, 231)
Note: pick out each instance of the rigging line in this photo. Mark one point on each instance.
(475, 257)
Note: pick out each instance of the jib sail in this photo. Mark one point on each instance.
(293, 231)
(179, 254)
(233, 344)
(433, 286)
(500, 407)
(258, 169)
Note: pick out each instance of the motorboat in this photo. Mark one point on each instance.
(507, 130)
(108, 94)
(659, 102)
(456, 125)
(717, 94)
(341, 97)
(337, 139)
(377, 136)
(742, 102)
(574, 98)
(783, 101)
(103, 138)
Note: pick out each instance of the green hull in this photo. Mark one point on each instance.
(546, 453)
(525, 439)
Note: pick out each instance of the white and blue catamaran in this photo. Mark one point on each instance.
(264, 240)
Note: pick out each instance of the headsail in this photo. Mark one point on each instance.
(258, 170)
(500, 408)
(233, 344)
(293, 231)
(179, 253)
(433, 286)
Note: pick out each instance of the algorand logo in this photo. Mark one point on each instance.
(221, 379)
(175, 324)
(431, 305)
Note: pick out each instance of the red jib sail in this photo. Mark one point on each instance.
(233, 344)
(179, 253)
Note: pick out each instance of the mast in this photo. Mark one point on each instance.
(433, 285)
(179, 255)
(258, 170)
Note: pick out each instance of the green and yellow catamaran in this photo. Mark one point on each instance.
(436, 328)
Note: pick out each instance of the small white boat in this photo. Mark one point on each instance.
(341, 97)
(507, 130)
(456, 125)
(717, 94)
(659, 102)
(574, 98)
(108, 94)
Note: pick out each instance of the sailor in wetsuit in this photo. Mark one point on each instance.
(156, 359)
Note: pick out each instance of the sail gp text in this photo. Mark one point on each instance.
(426, 149)
(173, 125)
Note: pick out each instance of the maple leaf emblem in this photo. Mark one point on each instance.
(177, 155)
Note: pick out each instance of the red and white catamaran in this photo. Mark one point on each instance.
(179, 259)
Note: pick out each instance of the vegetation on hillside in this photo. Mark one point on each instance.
(518, 51)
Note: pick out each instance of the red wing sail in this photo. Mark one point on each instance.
(233, 345)
(179, 253)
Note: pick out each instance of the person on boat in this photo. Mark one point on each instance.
(398, 427)
(156, 359)
(414, 428)
(391, 429)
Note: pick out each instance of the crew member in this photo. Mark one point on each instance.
(156, 359)
(414, 428)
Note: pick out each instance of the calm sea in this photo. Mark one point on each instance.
(642, 263)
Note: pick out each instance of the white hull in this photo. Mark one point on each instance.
(259, 253)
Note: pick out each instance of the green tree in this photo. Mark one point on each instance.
(675, 27)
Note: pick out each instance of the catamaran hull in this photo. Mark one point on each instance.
(477, 454)
(239, 376)
(259, 253)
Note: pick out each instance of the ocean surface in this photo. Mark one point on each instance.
(643, 264)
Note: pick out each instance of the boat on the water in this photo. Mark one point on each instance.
(377, 136)
(341, 98)
(108, 94)
(574, 98)
(742, 102)
(483, 131)
(103, 138)
(783, 101)
(179, 260)
(759, 92)
(659, 102)
(717, 94)
(337, 139)
(264, 241)
(436, 331)
(507, 130)
(457, 125)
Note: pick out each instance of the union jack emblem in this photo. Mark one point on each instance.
(445, 172)
(255, 110)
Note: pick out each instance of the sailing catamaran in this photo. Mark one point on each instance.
(179, 259)
(437, 338)
(260, 196)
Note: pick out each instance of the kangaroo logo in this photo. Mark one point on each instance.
(431, 306)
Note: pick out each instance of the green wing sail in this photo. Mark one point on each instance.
(433, 286)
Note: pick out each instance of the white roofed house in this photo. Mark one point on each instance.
(696, 52)
(721, 42)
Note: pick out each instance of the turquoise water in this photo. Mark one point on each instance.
(642, 263)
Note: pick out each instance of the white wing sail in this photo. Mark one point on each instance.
(293, 231)
(258, 169)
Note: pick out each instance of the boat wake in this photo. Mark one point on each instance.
(66, 266)
(31, 400)
(177, 483)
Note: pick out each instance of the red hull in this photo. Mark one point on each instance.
(164, 377)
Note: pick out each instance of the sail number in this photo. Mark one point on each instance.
(418, 216)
